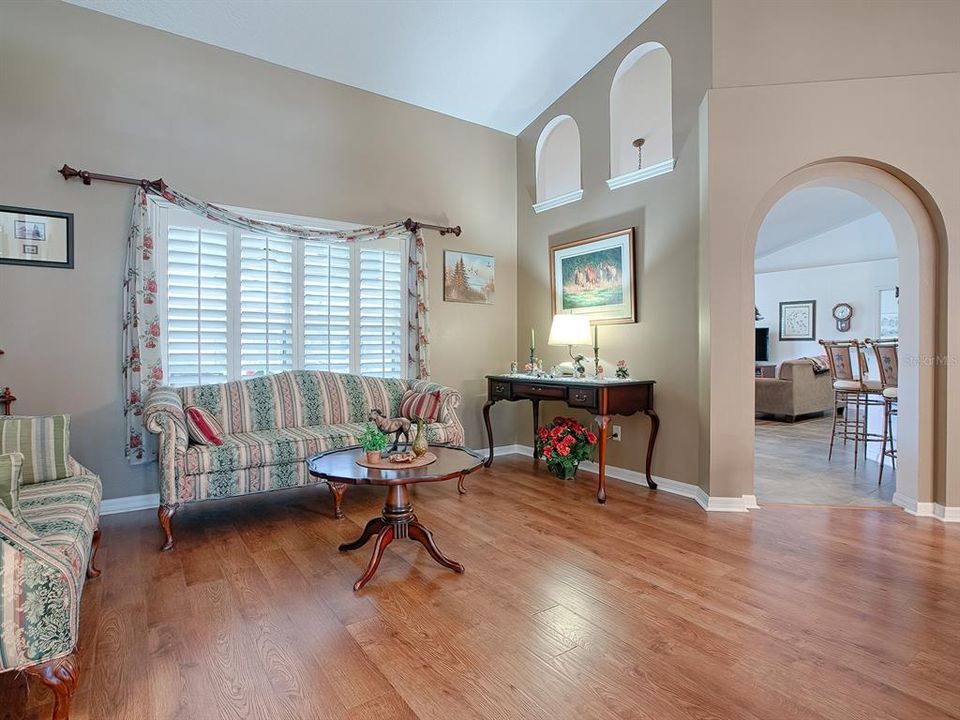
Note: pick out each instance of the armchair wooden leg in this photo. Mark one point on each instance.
(92, 570)
(166, 513)
(61, 676)
(337, 490)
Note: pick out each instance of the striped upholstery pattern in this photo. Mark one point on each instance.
(42, 567)
(11, 466)
(44, 442)
(272, 425)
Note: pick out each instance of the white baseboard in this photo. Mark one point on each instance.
(711, 504)
(114, 506)
(927, 509)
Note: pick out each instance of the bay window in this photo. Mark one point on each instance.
(235, 304)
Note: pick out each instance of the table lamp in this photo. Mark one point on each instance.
(571, 330)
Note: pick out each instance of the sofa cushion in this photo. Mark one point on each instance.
(203, 428)
(280, 446)
(64, 514)
(44, 442)
(420, 405)
(296, 399)
(11, 467)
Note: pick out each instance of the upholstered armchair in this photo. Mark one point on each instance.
(48, 543)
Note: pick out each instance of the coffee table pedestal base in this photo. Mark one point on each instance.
(397, 522)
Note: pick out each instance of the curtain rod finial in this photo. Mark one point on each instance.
(68, 172)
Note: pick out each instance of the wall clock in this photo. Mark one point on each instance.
(842, 312)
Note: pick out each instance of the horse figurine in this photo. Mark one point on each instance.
(400, 426)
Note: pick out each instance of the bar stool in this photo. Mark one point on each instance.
(854, 393)
(886, 351)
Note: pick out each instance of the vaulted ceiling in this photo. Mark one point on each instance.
(493, 62)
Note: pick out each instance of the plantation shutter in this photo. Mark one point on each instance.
(197, 306)
(266, 305)
(326, 307)
(381, 313)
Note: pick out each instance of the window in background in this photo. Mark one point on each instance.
(235, 304)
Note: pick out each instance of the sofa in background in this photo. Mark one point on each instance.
(272, 425)
(796, 391)
(45, 553)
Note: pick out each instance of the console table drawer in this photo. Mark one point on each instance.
(582, 397)
(555, 392)
(500, 389)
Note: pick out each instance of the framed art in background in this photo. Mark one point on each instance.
(468, 277)
(595, 277)
(798, 320)
(42, 238)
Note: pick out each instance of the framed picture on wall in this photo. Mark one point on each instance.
(798, 320)
(468, 277)
(594, 277)
(42, 238)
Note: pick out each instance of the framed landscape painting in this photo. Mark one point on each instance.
(594, 277)
(42, 238)
(468, 277)
(798, 320)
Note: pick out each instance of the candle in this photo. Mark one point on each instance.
(596, 342)
(533, 339)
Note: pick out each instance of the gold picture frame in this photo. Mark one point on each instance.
(597, 278)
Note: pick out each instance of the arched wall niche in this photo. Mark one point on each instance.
(558, 164)
(641, 106)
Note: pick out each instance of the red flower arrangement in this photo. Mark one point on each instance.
(564, 444)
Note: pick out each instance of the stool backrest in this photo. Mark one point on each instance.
(847, 360)
(886, 352)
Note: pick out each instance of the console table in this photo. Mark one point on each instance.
(602, 399)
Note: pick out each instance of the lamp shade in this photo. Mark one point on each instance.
(570, 330)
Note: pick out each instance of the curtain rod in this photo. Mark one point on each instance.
(159, 185)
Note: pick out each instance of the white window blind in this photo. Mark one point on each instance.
(196, 302)
(381, 313)
(327, 302)
(266, 305)
(236, 304)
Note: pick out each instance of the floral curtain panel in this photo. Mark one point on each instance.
(142, 361)
(141, 365)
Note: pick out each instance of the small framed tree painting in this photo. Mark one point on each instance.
(468, 277)
(798, 320)
(594, 277)
(42, 238)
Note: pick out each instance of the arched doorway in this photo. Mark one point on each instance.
(917, 250)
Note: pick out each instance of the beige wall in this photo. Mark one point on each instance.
(772, 42)
(758, 135)
(114, 97)
(662, 345)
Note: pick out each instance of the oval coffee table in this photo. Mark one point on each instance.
(398, 520)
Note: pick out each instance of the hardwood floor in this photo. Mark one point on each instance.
(646, 607)
(792, 467)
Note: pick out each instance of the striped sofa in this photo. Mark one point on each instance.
(272, 425)
(46, 549)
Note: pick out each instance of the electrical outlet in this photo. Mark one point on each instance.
(615, 433)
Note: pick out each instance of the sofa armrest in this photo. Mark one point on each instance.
(774, 396)
(40, 597)
(450, 400)
(163, 415)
